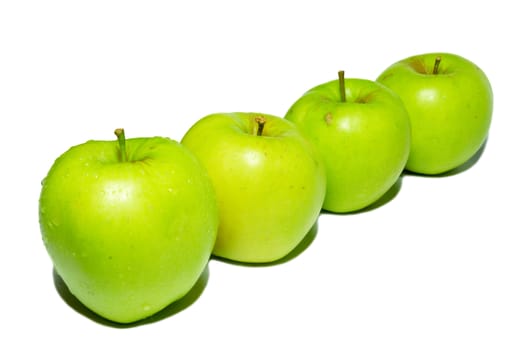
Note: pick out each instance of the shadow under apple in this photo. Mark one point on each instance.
(458, 170)
(300, 248)
(394, 190)
(170, 310)
(387, 197)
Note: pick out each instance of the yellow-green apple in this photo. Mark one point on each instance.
(362, 132)
(450, 103)
(269, 182)
(129, 224)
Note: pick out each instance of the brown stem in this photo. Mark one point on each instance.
(260, 120)
(436, 65)
(120, 133)
(341, 85)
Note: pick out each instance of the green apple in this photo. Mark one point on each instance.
(269, 181)
(450, 104)
(362, 131)
(129, 225)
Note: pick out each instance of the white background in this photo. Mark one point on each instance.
(438, 266)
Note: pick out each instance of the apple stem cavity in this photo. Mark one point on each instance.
(436, 65)
(260, 120)
(342, 89)
(120, 133)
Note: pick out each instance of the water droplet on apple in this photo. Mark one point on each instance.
(51, 224)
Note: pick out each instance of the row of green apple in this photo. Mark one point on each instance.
(130, 224)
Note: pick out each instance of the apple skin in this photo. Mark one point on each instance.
(269, 188)
(450, 111)
(128, 238)
(364, 141)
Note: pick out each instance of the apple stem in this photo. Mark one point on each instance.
(436, 65)
(120, 133)
(260, 120)
(341, 85)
